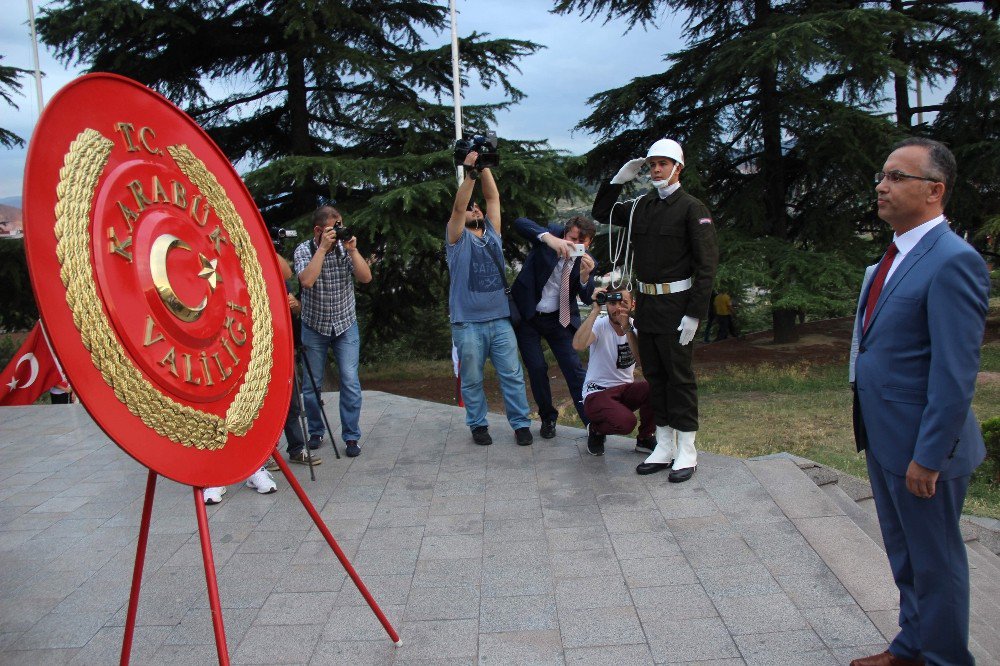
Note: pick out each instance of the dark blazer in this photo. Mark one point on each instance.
(537, 269)
(916, 365)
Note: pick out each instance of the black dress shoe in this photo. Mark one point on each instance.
(681, 475)
(652, 468)
(548, 430)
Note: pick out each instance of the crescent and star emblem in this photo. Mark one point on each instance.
(33, 362)
(162, 246)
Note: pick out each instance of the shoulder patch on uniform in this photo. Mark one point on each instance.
(705, 220)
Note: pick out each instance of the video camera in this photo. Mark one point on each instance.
(605, 297)
(278, 236)
(484, 144)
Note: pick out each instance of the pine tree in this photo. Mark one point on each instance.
(338, 101)
(955, 46)
(779, 106)
(10, 86)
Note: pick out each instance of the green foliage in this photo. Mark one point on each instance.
(991, 435)
(341, 102)
(778, 104)
(18, 311)
(9, 86)
(9, 344)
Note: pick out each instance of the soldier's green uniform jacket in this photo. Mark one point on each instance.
(672, 239)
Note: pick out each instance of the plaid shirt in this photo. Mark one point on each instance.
(327, 306)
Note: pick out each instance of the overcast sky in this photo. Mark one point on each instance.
(581, 58)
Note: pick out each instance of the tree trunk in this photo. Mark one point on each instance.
(772, 168)
(783, 325)
(303, 194)
(901, 82)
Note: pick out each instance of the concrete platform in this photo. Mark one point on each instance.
(489, 555)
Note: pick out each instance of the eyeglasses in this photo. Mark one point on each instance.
(897, 176)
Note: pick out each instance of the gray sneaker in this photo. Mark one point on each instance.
(301, 459)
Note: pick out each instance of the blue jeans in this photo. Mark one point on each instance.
(346, 350)
(494, 339)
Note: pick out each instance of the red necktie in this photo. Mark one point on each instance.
(564, 293)
(878, 282)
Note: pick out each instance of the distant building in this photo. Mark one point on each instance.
(11, 221)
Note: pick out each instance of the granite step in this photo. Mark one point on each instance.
(984, 576)
(847, 550)
(861, 515)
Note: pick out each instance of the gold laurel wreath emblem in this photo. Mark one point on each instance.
(82, 167)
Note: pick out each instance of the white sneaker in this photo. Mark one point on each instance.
(262, 482)
(213, 495)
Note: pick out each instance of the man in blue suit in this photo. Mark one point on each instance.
(918, 331)
(545, 294)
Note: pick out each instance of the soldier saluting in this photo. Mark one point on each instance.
(675, 257)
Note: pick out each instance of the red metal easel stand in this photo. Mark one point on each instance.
(209, 562)
(294, 483)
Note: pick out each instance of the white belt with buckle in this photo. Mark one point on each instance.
(661, 288)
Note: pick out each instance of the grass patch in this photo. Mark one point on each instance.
(807, 412)
(403, 370)
(989, 357)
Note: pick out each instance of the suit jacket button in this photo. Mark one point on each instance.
(862, 349)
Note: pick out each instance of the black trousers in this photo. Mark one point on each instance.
(666, 364)
(560, 338)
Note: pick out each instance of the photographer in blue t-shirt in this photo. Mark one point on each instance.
(479, 307)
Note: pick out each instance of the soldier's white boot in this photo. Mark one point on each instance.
(686, 461)
(663, 455)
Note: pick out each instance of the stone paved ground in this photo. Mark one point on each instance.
(492, 555)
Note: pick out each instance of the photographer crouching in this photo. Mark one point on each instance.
(478, 304)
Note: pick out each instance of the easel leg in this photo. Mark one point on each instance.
(294, 483)
(213, 585)
(140, 560)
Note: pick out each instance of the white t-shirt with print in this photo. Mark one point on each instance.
(611, 361)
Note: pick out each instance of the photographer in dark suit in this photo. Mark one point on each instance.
(545, 294)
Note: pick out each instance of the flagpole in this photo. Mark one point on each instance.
(456, 76)
(34, 51)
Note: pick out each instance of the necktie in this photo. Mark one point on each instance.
(878, 282)
(564, 293)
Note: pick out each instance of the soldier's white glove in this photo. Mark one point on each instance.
(628, 172)
(688, 327)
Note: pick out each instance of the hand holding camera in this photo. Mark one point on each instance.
(586, 266)
(563, 248)
(328, 238)
(483, 145)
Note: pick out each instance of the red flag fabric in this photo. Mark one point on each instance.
(31, 372)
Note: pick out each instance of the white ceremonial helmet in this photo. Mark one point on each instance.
(667, 148)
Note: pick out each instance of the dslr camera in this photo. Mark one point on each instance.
(484, 144)
(605, 297)
(343, 233)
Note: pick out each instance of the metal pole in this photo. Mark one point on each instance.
(456, 76)
(210, 578)
(140, 560)
(34, 51)
(920, 100)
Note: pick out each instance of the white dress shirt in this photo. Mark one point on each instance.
(907, 241)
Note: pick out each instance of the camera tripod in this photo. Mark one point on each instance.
(302, 365)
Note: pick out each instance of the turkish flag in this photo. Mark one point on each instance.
(31, 372)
